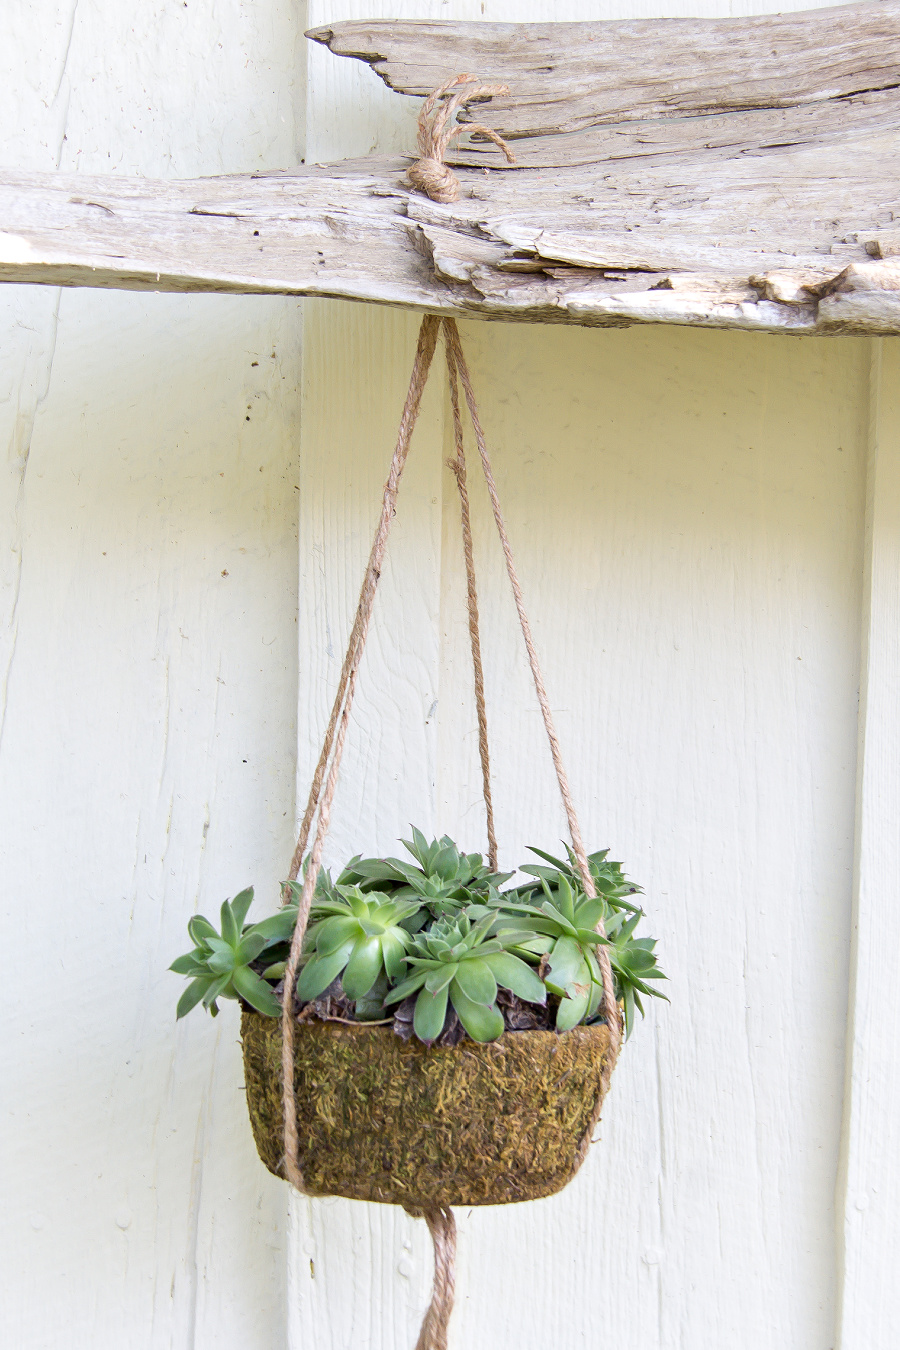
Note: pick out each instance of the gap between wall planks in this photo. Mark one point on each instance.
(869, 1191)
(731, 173)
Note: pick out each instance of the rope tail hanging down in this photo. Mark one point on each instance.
(439, 1218)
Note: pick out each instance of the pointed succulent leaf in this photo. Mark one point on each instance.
(590, 912)
(431, 1010)
(334, 932)
(200, 929)
(372, 927)
(192, 995)
(239, 906)
(363, 967)
(476, 979)
(445, 863)
(218, 988)
(275, 971)
(192, 963)
(249, 948)
(548, 857)
(513, 974)
(393, 951)
(231, 932)
(573, 1009)
(408, 986)
(482, 1024)
(256, 992)
(436, 980)
(557, 917)
(565, 899)
(220, 963)
(567, 965)
(278, 927)
(319, 972)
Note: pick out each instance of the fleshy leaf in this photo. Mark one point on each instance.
(482, 1024)
(256, 992)
(515, 975)
(192, 995)
(319, 972)
(476, 979)
(363, 968)
(239, 906)
(428, 1019)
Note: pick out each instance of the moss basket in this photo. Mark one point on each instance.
(393, 1121)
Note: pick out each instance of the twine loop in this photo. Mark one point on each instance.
(438, 127)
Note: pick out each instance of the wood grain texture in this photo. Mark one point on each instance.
(623, 247)
(672, 171)
(869, 1192)
(568, 77)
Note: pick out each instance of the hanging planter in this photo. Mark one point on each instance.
(423, 1126)
(414, 1033)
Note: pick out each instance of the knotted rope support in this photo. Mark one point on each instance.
(438, 127)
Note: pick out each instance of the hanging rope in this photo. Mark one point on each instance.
(440, 1221)
(336, 735)
(429, 174)
(610, 1007)
(458, 467)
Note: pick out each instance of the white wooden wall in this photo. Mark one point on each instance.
(707, 529)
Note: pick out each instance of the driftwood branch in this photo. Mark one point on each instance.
(737, 173)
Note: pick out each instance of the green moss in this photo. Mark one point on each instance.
(398, 1122)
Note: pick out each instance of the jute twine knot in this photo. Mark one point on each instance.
(438, 127)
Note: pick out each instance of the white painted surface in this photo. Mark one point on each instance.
(870, 1179)
(688, 512)
(149, 709)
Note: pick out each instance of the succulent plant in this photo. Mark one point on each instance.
(445, 880)
(562, 929)
(609, 879)
(555, 907)
(459, 962)
(220, 962)
(440, 930)
(357, 936)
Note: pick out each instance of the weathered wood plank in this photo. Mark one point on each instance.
(744, 211)
(567, 77)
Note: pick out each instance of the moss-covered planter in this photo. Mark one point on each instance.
(393, 1121)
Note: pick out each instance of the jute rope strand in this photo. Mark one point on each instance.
(458, 466)
(442, 1227)
(337, 731)
(429, 174)
(610, 1007)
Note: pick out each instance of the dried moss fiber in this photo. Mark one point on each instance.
(397, 1122)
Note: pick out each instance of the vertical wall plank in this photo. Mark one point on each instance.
(870, 1189)
(148, 660)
